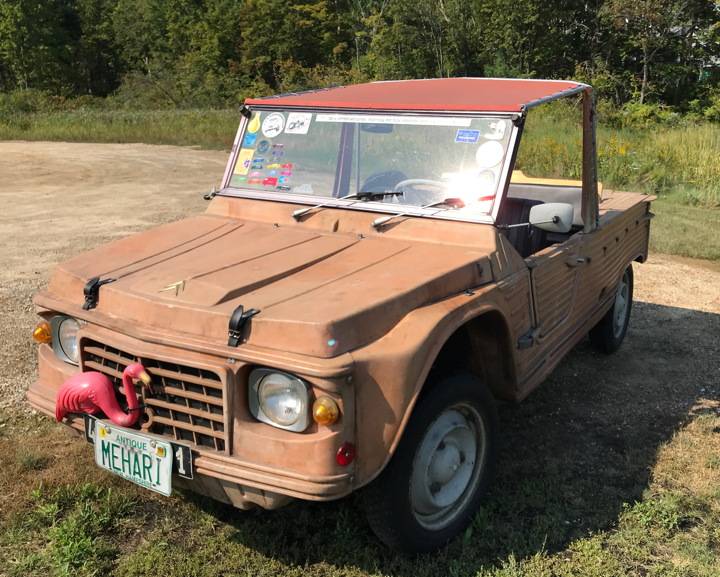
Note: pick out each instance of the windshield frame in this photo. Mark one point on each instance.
(371, 206)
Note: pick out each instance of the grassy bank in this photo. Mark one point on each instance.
(680, 164)
(204, 128)
(685, 230)
(680, 161)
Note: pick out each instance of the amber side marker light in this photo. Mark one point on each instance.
(325, 411)
(42, 334)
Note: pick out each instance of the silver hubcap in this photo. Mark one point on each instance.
(620, 309)
(447, 466)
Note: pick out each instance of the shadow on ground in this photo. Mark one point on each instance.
(572, 455)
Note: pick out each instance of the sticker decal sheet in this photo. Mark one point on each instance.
(244, 160)
(273, 125)
(298, 123)
(467, 135)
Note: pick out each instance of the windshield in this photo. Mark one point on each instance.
(426, 160)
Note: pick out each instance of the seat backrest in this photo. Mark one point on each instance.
(550, 193)
(526, 239)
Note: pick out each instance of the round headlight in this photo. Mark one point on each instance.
(67, 338)
(282, 398)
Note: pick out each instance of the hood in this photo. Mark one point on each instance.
(319, 293)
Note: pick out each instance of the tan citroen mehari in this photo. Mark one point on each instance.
(372, 276)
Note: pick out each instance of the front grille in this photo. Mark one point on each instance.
(186, 403)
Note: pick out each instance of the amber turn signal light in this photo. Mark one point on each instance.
(42, 334)
(325, 411)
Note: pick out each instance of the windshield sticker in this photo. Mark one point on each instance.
(263, 146)
(243, 160)
(298, 123)
(468, 136)
(489, 154)
(304, 189)
(283, 187)
(392, 119)
(497, 130)
(273, 125)
(249, 140)
(254, 124)
(269, 181)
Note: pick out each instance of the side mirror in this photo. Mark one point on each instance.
(552, 216)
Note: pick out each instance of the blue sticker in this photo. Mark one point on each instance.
(263, 146)
(249, 140)
(467, 136)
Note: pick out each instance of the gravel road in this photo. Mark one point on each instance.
(573, 453)
(59, 199)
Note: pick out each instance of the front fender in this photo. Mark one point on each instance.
(390, 373)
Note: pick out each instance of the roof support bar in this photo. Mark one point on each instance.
(589, 169)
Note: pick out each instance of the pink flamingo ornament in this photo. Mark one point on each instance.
(93, 392)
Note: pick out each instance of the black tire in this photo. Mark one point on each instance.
(387, 500)
(608, 334)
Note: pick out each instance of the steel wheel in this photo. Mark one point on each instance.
(446, 465)
(620, 308)
(440, 471)
(608, 334)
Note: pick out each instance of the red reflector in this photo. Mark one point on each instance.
(345, 454)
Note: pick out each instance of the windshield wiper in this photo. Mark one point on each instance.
(451, 203)
(363, 195)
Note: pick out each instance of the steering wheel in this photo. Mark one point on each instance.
(423, 197)
(418, 182)
(419, 196)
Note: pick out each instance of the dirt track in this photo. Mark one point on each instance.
(573, 453)
(59, 199)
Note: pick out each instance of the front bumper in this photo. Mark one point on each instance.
(260, 465)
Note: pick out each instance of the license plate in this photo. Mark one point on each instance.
(139, 458)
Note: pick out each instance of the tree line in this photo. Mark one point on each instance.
(213, 53)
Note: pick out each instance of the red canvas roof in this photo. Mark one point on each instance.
(456, 94)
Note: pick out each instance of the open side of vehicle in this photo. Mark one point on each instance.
(374, 271)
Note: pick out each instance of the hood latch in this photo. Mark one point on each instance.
(237, 322)
(92, 290)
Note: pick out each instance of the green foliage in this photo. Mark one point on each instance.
(644, 148)
(213, 53)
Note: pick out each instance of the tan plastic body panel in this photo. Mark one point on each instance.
(360, 315)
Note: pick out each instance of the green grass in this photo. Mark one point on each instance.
(204, 128)
(669, 161)
(73, 529)
(526, 529)
(685, 230)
